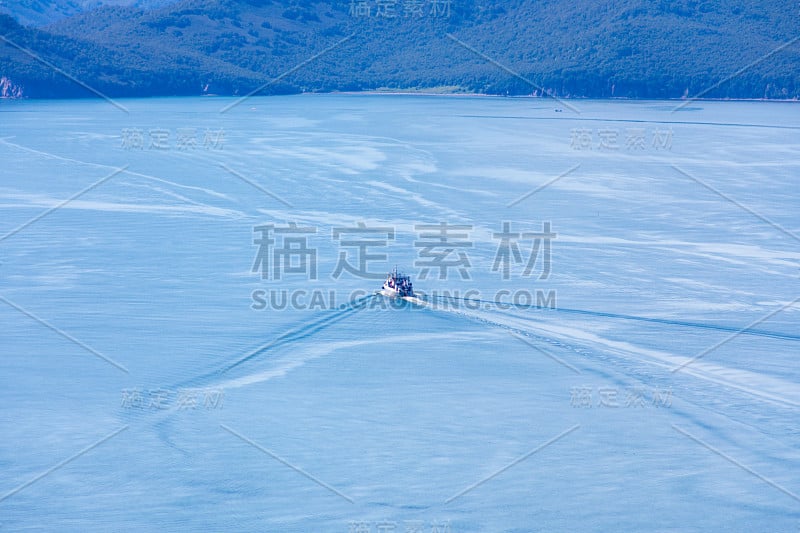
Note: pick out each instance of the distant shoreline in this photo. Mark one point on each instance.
(556, 98)
(430, 93)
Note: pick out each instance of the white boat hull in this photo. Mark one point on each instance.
(391, 293)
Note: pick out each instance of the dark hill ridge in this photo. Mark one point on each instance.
(622, 48)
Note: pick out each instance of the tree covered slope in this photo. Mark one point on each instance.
(619, 48)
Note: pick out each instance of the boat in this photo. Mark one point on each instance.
(398, 285)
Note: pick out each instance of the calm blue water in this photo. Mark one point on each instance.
(131, 312)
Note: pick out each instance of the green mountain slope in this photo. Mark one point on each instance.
(620, 48)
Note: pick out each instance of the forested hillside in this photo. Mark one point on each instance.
(622, 48)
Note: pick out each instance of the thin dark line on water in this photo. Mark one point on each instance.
(302, 331)
(543, 352)
(288, 337)
(666, 321)
(736, 334)
(634, 121)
